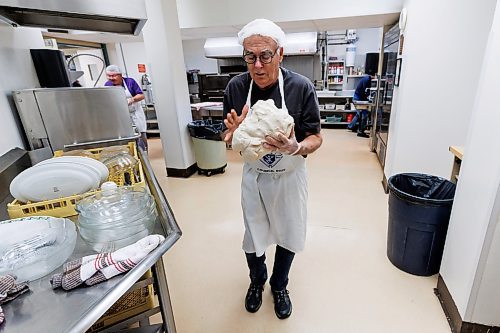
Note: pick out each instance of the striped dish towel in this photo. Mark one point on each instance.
(10, 289)
(100, 267)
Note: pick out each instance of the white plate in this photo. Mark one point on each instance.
(55, 180)
(90, 162)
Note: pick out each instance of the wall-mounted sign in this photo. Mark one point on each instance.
(141, 68)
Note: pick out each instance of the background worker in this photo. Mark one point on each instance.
(134, 96)
(361, 94)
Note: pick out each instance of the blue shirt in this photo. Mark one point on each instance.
(132, 86)
(361, 94)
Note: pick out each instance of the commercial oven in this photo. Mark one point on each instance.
(70, 118)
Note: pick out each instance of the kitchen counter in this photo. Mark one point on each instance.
(201, 111)
(330, 94)
(363, 105)
(43, 309)
(458, 154)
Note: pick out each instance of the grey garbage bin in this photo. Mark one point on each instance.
(419, 212)
(209, 149)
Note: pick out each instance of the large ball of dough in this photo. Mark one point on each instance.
(262, 120)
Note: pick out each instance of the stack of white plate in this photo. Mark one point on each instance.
(58, 177)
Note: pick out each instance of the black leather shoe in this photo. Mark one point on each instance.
(253, 300)
(282, 304)
(363, 135)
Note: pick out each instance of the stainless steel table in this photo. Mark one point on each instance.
(52, 311)
(207, 112)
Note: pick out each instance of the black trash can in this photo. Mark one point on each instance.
(209, 149)
(419, 212)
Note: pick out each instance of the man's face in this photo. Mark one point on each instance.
(263, 74)
(115, 78)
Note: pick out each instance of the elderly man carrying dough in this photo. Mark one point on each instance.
(274, 187)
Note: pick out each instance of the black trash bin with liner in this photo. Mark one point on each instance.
(209, 149)
(419, 212)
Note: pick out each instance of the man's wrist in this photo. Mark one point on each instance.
(296, 152)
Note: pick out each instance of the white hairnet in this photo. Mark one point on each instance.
(113, 69)
(262, 27)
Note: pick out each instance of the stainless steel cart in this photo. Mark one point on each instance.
(47, 310)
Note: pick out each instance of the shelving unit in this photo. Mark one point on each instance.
(335, 75)
(332, 108)
(151, 120)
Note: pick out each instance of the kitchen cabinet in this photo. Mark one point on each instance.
(335, 110)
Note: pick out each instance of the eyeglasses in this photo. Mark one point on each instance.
(265, 57)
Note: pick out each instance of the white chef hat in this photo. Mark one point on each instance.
(113, 69)
(262, 27)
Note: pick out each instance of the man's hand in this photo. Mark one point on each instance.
(282, 144)
(232, 122)
(130, 101)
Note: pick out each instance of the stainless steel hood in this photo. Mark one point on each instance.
(117, 16)
(302, 43)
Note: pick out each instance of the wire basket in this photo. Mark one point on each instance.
(132, 303)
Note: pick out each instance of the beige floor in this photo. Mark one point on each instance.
(343, 281)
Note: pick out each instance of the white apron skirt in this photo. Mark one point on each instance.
(136, 113)
(274, 199)
(274, 204)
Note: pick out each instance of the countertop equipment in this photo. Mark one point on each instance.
(70, 118)
(211, 86)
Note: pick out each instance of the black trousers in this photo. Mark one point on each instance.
(282, 262)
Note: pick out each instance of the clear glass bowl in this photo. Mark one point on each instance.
(33, 247)
(111, 151)
(79, 152)
(120, 163)
(115, 215)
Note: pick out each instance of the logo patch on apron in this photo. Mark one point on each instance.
(270, 160)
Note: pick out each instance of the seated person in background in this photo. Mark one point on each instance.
(134, 96)
(361, 94)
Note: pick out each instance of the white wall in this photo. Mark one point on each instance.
(194, 56)
(210, 13)
(133, 54)
(82, 63)
(368, 41)
(470, 266)
(18, 72)
(442, 57)
(162, 39)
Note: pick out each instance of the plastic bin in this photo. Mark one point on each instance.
(333, 119)
(419, 212)
(65, 207)
(209, 149)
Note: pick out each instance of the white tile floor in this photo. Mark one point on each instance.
(343, 281)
